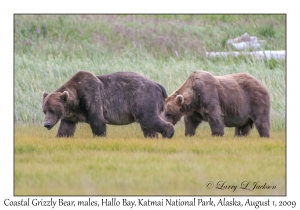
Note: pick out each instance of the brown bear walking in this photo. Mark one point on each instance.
(235, 100)
(118, 99)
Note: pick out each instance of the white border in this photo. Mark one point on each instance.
(8, 8)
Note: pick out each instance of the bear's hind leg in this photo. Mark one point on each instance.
(262, 123)
(155, 123)
(263, 128)
(148, 133)
(243, 130)
(66, 129)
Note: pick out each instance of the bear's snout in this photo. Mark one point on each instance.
(172, 134)
(47, 125)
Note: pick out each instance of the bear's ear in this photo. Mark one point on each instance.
(180, 99)
(65, 96)
(44, 95)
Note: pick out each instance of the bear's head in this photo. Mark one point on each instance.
(174, 108)
(54, 107)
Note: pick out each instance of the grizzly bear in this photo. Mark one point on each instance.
(118, 99)
(235, 100)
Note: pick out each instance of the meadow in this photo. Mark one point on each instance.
(49, 49)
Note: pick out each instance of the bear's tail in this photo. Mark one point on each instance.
(163, 90)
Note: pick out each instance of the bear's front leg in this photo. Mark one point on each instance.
(190, 124)
(98, 128)
(216, 126)
(215, 120)
(210, 105)
(96, 120)
(97, 124)
(66, 128)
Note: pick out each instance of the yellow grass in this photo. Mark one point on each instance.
(124, 163)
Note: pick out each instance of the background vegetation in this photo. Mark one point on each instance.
(49, 49)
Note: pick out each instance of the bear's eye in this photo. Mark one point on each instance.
(168, 115)
(51, 111)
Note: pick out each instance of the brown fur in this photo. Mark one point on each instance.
(236, 100)
(120, 98)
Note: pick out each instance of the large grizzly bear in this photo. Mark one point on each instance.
(117, 99)
(235, 100)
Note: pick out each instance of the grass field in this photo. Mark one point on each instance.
(125, 163)
(49, 49)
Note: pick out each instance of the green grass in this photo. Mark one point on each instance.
(125, 163)
(49, 49)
